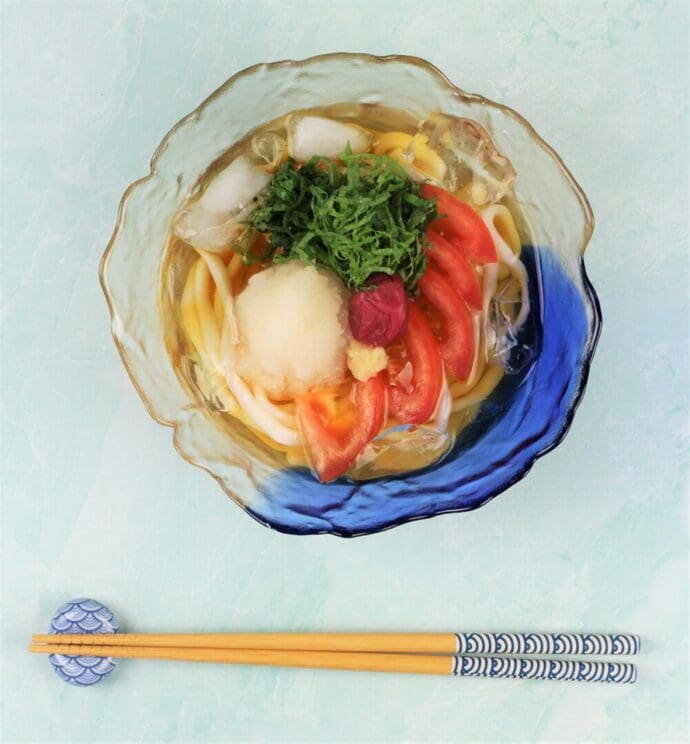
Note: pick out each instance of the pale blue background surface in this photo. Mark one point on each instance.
(97, 503)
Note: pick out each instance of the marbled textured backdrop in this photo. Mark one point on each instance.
(97, 503)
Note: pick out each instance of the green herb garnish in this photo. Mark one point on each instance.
(359, 215)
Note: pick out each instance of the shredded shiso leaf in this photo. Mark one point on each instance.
(358, 215)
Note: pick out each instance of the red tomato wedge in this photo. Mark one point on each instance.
(457, 334)
(451, 261)
(334, 434)
(418, 403)
(462, 225)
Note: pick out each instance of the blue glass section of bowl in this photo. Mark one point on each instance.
(82, 616)
(527, 415)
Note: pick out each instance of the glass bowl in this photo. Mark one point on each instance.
(526, 415)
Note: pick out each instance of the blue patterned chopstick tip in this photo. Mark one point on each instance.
(619, 644)
(579, 671)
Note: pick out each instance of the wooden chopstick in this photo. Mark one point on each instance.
(426, 643)
(463, 666)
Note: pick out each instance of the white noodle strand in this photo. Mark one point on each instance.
(219, 273)
(285, 418)
(262, 418)
(506, 256)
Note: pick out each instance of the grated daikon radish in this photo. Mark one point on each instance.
(292, 321)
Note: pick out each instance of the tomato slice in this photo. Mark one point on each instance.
(335, 434)
(418, 403)
(457, 334)
(451, 261)
(462, 225)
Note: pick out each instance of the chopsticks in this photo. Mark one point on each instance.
(547, 644)
(457, 666)
(411, 653)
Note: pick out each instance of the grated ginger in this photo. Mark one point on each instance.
(365, 361)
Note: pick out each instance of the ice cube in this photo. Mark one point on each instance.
(476, 170)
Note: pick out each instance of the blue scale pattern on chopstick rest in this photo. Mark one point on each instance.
(580, 671)
(82, 616)
(621, 644)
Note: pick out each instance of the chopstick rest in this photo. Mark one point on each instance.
(83, 616)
